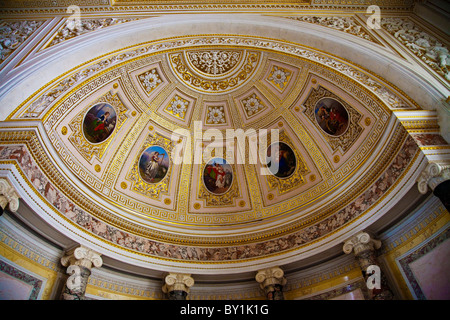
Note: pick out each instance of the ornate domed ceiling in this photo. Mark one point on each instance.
(103, 147)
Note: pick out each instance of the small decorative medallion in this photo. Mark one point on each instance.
(93, 128)
(281, 160)
(150, 173)
(286, 166)
(334, 117)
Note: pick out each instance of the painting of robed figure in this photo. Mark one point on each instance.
(217, 176)
(99, 122)
(281, 160)
(154, 164)
(331, 116)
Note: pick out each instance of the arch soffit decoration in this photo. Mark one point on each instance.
(392, 100)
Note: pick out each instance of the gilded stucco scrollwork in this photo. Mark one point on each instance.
(71, 30)
(344, 24)
(214, 62)
(13, 34)
(39, 103)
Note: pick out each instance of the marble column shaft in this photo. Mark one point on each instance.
(363, 247)
(79, 263)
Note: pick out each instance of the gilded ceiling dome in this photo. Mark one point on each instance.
(216, 151)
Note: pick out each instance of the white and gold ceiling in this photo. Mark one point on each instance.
(87, 178)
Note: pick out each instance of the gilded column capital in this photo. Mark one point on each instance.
(178, 282)
(8, 196)
(82, 256)
(432, 176)
(270, 277)
(361, 242)
(272, 280)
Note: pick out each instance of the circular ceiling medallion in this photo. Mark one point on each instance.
(331, 116)
(99, 122)
(215, 71)
(214, 62)
(280, 159)
(154, 164)
(217, 176)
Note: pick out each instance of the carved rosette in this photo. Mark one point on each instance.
(272, 280)
(79, 263)
(177, 285)
(8, 197)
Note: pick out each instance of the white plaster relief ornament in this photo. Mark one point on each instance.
(43, 101)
